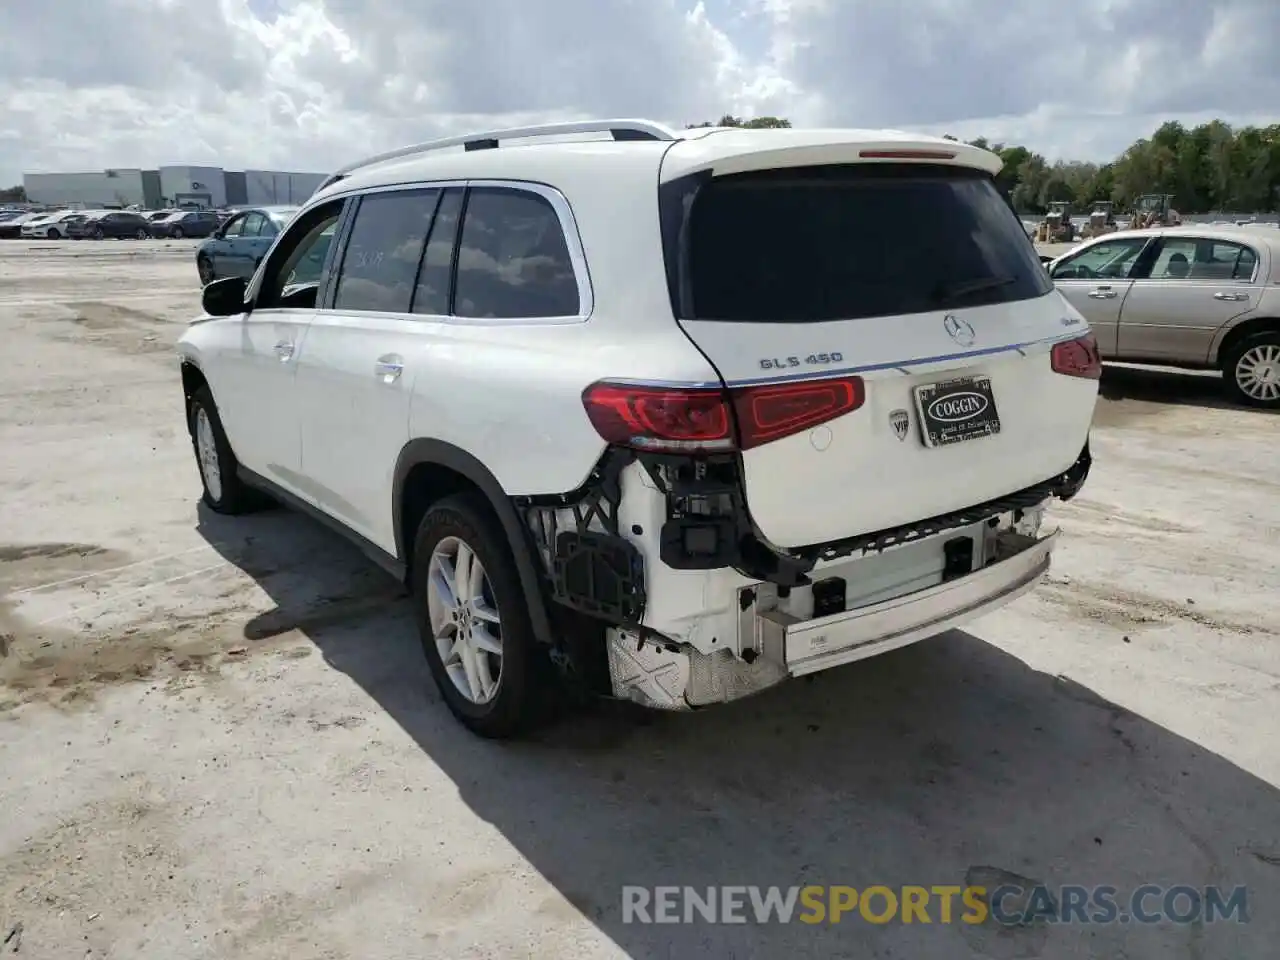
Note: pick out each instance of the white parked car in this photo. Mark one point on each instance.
(51, 226)
(1202, 296)
(656, 413)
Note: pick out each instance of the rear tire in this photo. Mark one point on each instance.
(54, 234)
(1251, 371)
(224, 492)
(177, 233)
(469, 629)
(141, 234)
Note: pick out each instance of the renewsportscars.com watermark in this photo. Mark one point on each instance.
(1007, 905)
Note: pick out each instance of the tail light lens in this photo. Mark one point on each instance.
(778, 410)
(683, 420)
(1077, 358)
(656, 418)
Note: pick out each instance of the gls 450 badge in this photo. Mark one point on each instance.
(812, 360)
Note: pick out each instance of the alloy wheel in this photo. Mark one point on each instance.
(464, 619)
(1258, 372)
(207, 454)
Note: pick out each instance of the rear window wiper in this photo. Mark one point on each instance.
(954, 289)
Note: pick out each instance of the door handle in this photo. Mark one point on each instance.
(284, 350)
(1102, 293)
(388, 369)
(1230, 296)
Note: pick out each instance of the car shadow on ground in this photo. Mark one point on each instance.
(1166, 385)
(946, 763)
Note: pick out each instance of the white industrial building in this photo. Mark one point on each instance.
(105, 187)
(170, 186)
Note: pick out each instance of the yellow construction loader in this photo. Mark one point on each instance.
(1155, 210)
(1056, 227)
(1102, 220)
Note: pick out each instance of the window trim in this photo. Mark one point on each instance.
(324, 288)
(568, 228)
(441, 194)
(1202, 238)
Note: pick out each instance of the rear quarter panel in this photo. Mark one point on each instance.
(1268, 301)
(510, 394)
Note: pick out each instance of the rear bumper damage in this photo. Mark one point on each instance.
(779, 638)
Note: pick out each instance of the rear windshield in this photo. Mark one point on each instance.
(842, 242)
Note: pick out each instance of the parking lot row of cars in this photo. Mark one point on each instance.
(110, 224)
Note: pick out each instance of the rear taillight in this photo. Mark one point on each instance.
(701, 420)
(777, 410)
(1077, 358)
(659, 418)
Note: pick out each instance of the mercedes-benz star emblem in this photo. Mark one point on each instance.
(959, 330)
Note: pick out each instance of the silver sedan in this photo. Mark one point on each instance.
(1204, 297)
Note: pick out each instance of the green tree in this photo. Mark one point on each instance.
(17, 194)
(749, 123)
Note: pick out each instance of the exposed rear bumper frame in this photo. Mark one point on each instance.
(672, 676)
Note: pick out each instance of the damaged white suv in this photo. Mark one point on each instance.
(664, 415)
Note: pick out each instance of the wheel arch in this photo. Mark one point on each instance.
(1242, 331)
(428, 470)
(193, 379)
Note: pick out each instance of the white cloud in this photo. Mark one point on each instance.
(310, 84)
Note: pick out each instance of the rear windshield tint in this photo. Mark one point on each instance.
(844, 242)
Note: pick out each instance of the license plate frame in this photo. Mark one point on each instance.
(943, 425)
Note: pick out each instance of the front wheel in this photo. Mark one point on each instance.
(224, 492)
(54, 234)
(1252, 371)
(472, 619)
(177, 233)
(205, 268)
(98, 234)
(140, 235)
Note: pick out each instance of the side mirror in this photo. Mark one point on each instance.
(225, 297)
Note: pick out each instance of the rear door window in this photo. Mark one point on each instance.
(513, 260)
(1229, 261)
(851, 241)
(380, 264)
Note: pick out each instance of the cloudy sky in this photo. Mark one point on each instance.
(309, 84)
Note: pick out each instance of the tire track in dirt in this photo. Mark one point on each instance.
(1126, 609)
(65, 659)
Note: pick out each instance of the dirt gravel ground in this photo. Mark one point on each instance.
(218, 738)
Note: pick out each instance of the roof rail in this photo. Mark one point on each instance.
(619, 129)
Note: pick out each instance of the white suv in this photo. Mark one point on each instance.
(664, 415)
